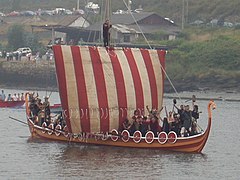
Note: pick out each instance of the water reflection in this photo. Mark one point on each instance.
(77, 152)
(94, 161)
(23, 157)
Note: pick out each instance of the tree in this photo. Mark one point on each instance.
(16, 36)
(32, 41)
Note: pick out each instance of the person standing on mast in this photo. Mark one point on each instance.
(106, 33)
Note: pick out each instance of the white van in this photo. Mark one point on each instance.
(23, 51)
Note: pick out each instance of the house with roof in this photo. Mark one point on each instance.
(68, 28)
(127, 28)
(65, 28)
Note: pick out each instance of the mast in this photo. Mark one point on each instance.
(183, 13)
(77, 4)
(186, 12)
(129, 6)
(107, 10)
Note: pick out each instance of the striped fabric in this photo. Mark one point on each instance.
(101, 87)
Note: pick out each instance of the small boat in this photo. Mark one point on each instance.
(56, 108)
(11, 104)
(96, 99)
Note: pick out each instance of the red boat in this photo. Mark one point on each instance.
(10, 104)
(56, 106)
(100, 87)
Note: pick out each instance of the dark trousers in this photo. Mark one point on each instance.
(105, 42)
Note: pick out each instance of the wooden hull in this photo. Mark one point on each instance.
(4, 104)
(193, 144)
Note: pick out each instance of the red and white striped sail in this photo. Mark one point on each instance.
(100, 87)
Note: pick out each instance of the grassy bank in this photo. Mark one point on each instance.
(188, 71)
(203, 58)
(206, 59)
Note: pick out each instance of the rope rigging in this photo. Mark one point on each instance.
(106, 15)
(145, 38)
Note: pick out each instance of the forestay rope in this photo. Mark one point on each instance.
(129, 10)
(145, 38)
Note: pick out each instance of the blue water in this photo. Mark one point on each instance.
(22, 158)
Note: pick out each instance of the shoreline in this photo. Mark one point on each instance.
(229, 96)
(40, 76)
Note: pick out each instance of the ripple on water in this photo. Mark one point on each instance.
(21, 157)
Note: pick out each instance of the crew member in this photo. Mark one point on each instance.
(2, 96)
(106, 33)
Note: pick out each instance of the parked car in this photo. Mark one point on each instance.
(168, 19)
(23, 51)
(197, 22)
(68, 12)
(228, 24)
(13, 13)
(139, 10)
(27, 13)
(59, 11)
(2, 14)
(46, 12)
(92, 8)
(119, 11)
(79, 12)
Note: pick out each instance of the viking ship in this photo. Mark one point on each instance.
(11, 104)
(100, 87)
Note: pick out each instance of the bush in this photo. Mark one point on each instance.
(15, 36)
(18, 37)
(199, 58)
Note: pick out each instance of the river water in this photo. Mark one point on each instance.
(22, 158)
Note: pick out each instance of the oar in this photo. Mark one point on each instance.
(199, 127)
(174, 104)
(47, 128)
(50, 129)
(166, 111)
(50, 95)
(18, 120)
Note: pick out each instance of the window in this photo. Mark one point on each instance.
(126, 38)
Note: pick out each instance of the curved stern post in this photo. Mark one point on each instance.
(211, 106)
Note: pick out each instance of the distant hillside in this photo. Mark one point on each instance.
(204, 10)
(204, 57)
